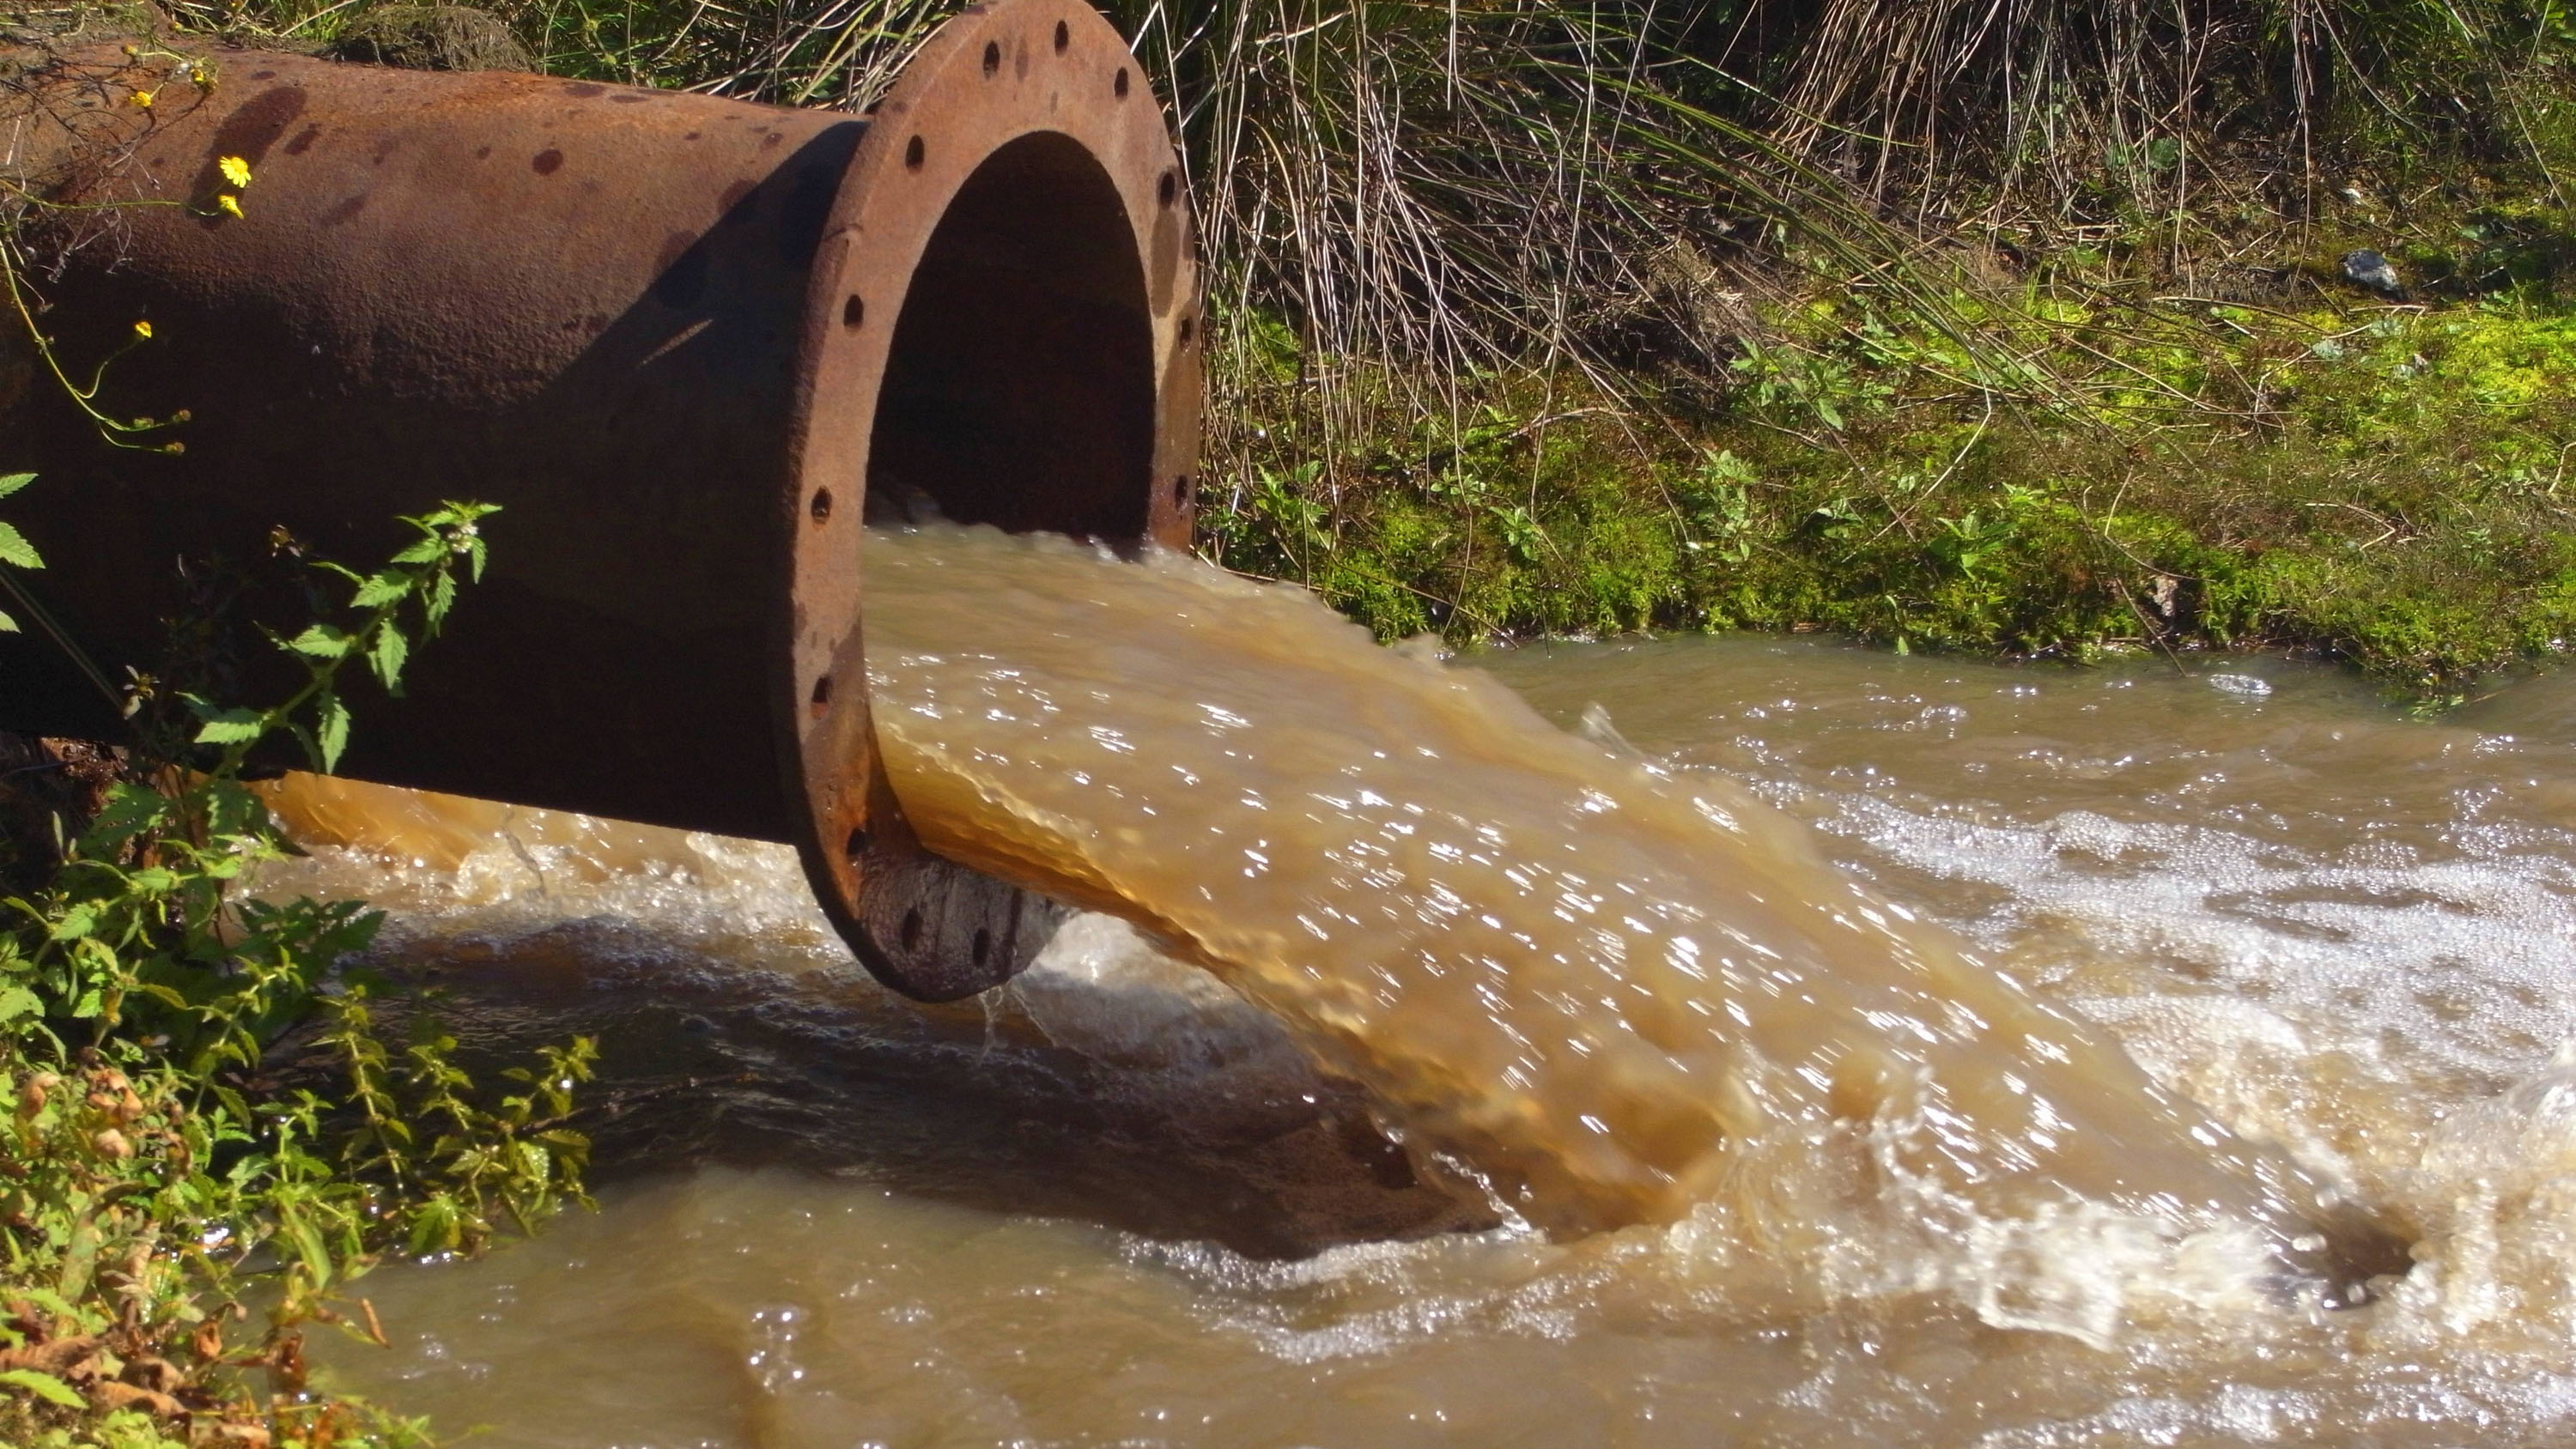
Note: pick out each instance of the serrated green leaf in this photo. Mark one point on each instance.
(44, 1386)
(76, 922)
(321, 641)
(387, 656)
(425, 551)
(380, 590)
(232, 727)
(232, 808)
(14, 549)
(12, 482)
(309, 1247)
(331, 730)
(8, 625)
(18, 1001)
(130, 810)
(442, 597)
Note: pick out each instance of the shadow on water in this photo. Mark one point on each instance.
(710, 1064)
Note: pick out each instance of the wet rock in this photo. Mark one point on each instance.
(2370, 271)
(431, 37)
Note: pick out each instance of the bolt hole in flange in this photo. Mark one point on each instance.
(992, 58)
(1167, 189)
(912, 153)
(853, 311)
(821, 700)
(983, 945)
(1181, 491)
(911, 932)
(1063, 37)
(821, 507)
(856, 844)
(1120, 85)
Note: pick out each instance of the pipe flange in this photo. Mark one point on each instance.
(1044, 96)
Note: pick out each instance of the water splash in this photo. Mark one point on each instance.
(1615, 994)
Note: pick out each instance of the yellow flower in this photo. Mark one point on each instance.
(229, 204)
(143, 99)
(143, 330)
(235, 169)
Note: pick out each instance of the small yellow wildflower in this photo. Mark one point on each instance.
(235, 169)
(143, 99)
(229, 204)
(143, 329)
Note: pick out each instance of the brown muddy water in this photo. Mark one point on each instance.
(1690, 1041)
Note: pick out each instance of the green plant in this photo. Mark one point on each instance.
(15, 551)
(183, 1142)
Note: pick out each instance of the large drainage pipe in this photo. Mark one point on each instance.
(683, 341)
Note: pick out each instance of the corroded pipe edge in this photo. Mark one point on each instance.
(995, 73)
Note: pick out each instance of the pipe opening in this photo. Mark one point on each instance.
(1019, 388)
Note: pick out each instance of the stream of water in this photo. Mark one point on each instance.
(1689, 1041)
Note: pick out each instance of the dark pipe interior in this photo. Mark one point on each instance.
(1020, 388)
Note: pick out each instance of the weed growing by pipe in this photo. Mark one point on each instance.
(209, 1136)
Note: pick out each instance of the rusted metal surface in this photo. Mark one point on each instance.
(681, 340)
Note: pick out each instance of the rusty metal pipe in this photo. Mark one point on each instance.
(683, 341)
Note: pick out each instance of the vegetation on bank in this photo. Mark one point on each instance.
(206, 1134)
(2386, 483)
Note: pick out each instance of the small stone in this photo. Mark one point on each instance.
(2368, 269)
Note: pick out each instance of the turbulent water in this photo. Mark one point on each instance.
(1584, 1100)
(1608, 994)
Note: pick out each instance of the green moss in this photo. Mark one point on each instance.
(2386, 487)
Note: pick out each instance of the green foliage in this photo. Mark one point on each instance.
(2389, 487)
(206, 1112)
(15, 551)
(420, 583)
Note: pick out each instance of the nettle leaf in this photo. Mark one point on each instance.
(7, 624)
(11, 483)
(44, 1386)
(14, 549)
(131, 809)
(321, 641)
(76, 922)
(387, 656)
(331, 730)
(18, 1001)
(232, 727)
(310, 1248)
(232, 809)
(442, 597)
(380, 590)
